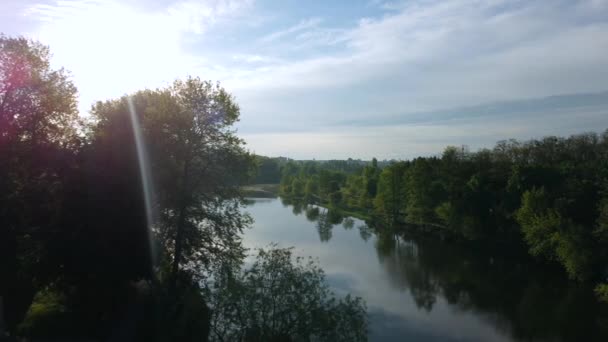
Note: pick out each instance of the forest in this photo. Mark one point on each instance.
(547, 197)
(125, 224)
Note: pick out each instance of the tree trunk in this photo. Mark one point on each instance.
(177, 253)
(180, 226)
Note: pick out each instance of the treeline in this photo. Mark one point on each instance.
(114, 226)
(550, 195)
(269, 169)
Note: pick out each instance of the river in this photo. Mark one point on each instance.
(423, 289)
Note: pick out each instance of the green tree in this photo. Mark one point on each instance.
(602, 292)
(298, 187)
(288, 172)
(38, 146)
(353, 191)
(371, 174)
(268, 172)
(552, 237)
(311, 190)
(422, 189)
(282, 298)
(390, 199)
(198, 164)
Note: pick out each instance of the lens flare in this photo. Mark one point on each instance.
(146, 179)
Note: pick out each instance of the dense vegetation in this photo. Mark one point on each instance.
(549, 195)
(276, 299)
(127, 225)
(523, 300)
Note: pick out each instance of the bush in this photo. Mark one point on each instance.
(282, 298)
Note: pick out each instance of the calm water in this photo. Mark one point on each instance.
(426, 290)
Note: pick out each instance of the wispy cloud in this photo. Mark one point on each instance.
(197, 16)
(456, 53)
(255, 59)
(301, 26)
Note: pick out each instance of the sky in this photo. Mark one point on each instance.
(355, 78)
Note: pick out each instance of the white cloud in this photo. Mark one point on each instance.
(113, 48)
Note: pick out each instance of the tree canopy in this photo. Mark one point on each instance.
(282, 298)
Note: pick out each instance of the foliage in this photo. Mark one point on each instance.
(38, 143)
(540, 224)
(198, 165)
(548, 195)
(389, 200)
(268, 170)
(282, 298)
(602, 292)
(177, 313)
(46, 316)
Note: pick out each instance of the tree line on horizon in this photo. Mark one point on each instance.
(549, 196)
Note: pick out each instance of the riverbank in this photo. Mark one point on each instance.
(506, 245)
(261, 190)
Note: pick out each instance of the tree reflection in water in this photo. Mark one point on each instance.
(312, 213)
(348, 223)
(518, 297)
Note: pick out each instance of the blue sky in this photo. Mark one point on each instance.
(339, 79)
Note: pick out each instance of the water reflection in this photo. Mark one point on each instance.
(348, 223)
(325, 219)
(454, 292)
(518, 298)
(312, 213)
(365, 232)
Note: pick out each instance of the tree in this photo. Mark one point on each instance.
(37, 103)
(210, 163)
(370, 176)
(38, 143)
(390, 200)
(353, 191)
(282, 298)
(298, 187)
(198, 165)
(552, 237)
(288, 172)
(38, 121)
(269, 171)
(422, 189)
(602, 292)
(311, 190)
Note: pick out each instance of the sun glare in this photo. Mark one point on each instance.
(113, 48)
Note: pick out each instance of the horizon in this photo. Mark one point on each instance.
(359, 79)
